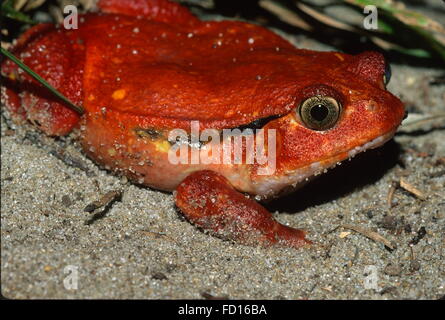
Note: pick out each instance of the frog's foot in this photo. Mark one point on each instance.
(208, 200)
(49, 53)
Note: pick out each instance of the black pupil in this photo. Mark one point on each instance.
(319, 112)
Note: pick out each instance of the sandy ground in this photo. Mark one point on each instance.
(142, 248)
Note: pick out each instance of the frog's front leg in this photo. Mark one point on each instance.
(207, 199)
(58, 57)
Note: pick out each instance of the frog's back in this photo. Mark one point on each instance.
(224, 74)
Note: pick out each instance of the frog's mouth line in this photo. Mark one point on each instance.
(296, 178)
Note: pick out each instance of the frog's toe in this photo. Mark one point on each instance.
(208, 200)
(290, 237)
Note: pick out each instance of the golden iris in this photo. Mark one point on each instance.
(319, 113)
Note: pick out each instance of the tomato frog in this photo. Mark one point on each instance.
(142, 68)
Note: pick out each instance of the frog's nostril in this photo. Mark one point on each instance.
(371, 106)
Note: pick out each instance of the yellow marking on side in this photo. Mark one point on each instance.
(119, 94)
(162, 146)
(111, 152)
(91, 97)
(11, 76)
(339, 56)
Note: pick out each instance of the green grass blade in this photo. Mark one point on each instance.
(9, 12)
(17, 61)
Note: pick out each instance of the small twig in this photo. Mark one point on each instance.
(410, 188)
(105, 202)
(327, 253)
(354, 258)
(390, 196)
(209, 296)
(437, 174)
(412, 252)
(159, 276)
(324, 18)
(71, 161)
(419, 236)
(285, 14)
(370, 234)
(414, 119)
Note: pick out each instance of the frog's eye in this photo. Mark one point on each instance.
(319, 113)
(387, 75)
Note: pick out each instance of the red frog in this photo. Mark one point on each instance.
(141, 68)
